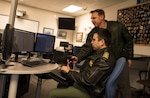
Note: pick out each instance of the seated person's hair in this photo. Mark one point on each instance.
(104, 34)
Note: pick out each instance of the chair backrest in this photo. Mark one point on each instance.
(148, 72)
(76, 50)
(112, 82)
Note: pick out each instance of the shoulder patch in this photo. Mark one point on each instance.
(91, 63)
(106, 55)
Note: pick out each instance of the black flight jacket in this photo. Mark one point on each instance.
(94, 72)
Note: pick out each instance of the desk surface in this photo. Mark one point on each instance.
(18, 68)
(141, 57)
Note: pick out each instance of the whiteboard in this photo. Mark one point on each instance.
(20, 23)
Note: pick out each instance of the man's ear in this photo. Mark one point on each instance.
(102, 17)
(103, 41)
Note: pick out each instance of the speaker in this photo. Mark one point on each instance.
(20, 13)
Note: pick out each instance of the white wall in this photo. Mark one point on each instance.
(45, 18)
(84, 24)
(111, 12)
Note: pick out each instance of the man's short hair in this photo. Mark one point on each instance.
(99, 11)
(104, 34)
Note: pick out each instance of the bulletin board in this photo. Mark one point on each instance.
(137, 21)
(142, 1)
(20, 23)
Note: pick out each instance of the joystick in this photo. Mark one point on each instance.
(71, 61)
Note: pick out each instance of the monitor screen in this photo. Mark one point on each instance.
(66, 23)
(7, 42)
(23, 41)
(44, 43)
(64, 44)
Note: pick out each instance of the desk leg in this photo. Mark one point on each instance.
(2, 85)
(38, 88)
(13, 86)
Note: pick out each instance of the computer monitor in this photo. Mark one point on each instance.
(0, 42)
(66, 23)
(7, 42)
(44, 43)
(0, 37)
(64, 44)
(23, 41)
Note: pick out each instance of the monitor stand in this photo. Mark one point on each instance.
(52, 62)
(52, 59)
(49, 56)
(39, 56)
(22, 53)
(4, 64)
(16, 57)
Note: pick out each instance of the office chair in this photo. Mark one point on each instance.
(144, 80)
(112, 82)
(76, 50)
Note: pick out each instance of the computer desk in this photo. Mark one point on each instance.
(17, 68)
(144, 58)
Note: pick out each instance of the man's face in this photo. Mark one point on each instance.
(96, 19)
(96, 44)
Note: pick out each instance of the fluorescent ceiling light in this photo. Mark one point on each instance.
(72, 8)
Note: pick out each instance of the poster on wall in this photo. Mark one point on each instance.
(79, 36)
(1, 30)
(62, 34)
(48, 31)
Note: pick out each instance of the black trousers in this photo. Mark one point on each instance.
(124, 90)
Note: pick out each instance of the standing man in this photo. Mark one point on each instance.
(121, 43)
(91, 80)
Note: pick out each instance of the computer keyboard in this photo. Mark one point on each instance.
(57, 76)
(34, 63)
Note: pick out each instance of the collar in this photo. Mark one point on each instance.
(101, 50)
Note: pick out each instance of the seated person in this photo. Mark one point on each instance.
(91, 80)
